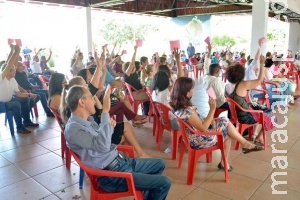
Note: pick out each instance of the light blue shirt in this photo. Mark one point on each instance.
(250, 73)
(92, 142)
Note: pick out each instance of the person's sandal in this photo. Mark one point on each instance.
(256, 148)
(220, 166)
(137, 125)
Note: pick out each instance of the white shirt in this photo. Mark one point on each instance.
(7, 88)
(35, 67)
(206, 65)
(218, 86)
(223, 63)
(162, 97)
(229, 88)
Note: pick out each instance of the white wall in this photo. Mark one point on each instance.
(294, 37)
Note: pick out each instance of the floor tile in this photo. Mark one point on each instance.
(179, 189)
(58, 178)
(11, 174)
(239, 187)
(74, 191)
(265, 192)
(51, 144)
(4, 162)
(24, 153)
(13, 143)
(291, 178)
(244, 166)
(40, 164)
(200, 193)
(26, 190)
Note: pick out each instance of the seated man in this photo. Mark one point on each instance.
(212, 80)
(23, 102)
(22, 80)
(97, 151)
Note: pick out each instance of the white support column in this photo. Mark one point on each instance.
(89, 29)
(294, 37)
(260, 10)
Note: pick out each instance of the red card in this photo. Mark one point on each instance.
(139, 43)
(10, 41)
(211, 93)
(207, 40)
(262, 40)
(105, 45)
(174, 44)
(124, 52)
(18, 42)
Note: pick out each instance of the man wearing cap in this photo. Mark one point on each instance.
(93, 145)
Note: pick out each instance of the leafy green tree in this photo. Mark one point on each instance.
(223, 41)
(276, 35)
(123, 32)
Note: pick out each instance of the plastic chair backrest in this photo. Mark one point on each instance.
(58, 119)
(232, 108)
(163, 111)
(129, 89)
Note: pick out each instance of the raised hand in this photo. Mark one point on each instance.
(212, 103)
(106, 100)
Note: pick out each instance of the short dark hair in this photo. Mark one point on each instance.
(160, 81)
(235, 73)
(75, 93)
(83, 74)
(214, 68)
(143, 59)
(268, 62)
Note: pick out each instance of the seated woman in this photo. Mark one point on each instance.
(237, 89)
(131, 77)
(147, 75)
(123, 131)
(119, 107)
(181, 95)
(56, 84)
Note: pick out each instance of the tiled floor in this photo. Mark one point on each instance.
(31, 167)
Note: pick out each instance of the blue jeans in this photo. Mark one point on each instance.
(44, 99)
(146, 174)
(270, 94)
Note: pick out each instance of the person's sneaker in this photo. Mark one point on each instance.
(31, 124)
(23, 130)
(50, 114)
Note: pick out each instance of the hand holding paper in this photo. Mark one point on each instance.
(18, 42)
(207, 40)
(262, 40)
(139, 43)
(211, 93)
(174, 44)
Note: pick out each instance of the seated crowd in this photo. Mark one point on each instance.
(92, 104)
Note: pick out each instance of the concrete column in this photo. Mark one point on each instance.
(294, 37)
(260, 11)
(89, 29)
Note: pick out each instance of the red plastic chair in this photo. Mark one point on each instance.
(135, 102)
(195, 154)
(197, 70)
(218, 111)
(233, 106)
(165, 124)
(65, 151)
(153, 111)
(45, 81)
(93, 174)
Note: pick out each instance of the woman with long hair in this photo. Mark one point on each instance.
(183, 108)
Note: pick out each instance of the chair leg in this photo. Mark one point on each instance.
(175, 138)
(68, 158)
(36, 113)
(182, 148)
(159, 136)
(191, 168)
(81, 178)
(225, 164)
(209, 157)
(154, 125)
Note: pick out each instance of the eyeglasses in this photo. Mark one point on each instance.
(90, 96)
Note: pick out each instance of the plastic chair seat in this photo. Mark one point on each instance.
(135, 102)
(95, 190)
(165, 124)
(233, 106)
(195, 154)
